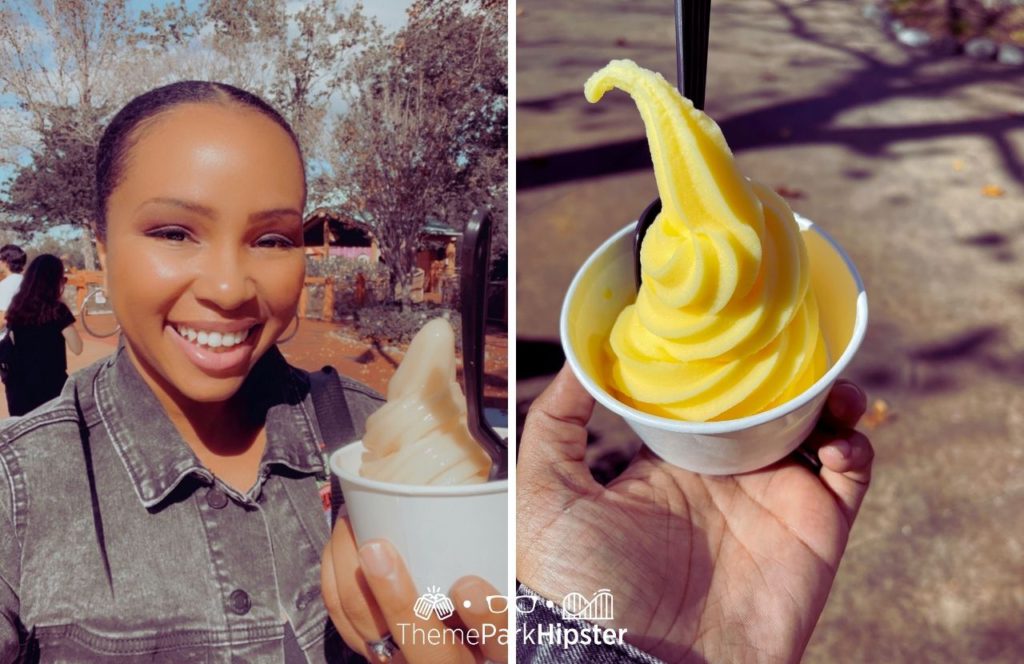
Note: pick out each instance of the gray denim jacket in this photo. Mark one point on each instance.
(117, 545)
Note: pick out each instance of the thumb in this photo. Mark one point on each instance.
(555, 436)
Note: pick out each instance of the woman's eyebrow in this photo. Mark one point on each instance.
(270, 215)
(177, 202)
(265, 215)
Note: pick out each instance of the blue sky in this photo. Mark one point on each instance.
(391, 13)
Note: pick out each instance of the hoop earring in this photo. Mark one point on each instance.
(284, 340)
(84, 319)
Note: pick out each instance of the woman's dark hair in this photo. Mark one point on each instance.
(14, 256)
(121, 133)
(38, 300)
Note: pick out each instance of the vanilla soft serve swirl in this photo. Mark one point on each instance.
(725, 324)
(420, 436)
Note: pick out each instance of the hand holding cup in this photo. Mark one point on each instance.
(729, 567)
(370, 596)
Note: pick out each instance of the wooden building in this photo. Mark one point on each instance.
(327, 233)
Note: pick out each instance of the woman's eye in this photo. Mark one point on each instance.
(169, 233)
(275, 241)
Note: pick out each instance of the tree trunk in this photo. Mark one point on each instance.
(88, 251)
(405, 297)
(405, 291)
(399, 288)
(953, 17)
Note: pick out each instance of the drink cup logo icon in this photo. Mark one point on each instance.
(599, 607)
(433, 601)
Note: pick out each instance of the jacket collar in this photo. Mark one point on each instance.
(157, 458)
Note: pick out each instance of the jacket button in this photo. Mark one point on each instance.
(216, 498)
(239, 602)
(305, 599)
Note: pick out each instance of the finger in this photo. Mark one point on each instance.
(396, 596)
(555, 427)
(846, 404)
(356, 599)
(846, 469)
(469, 594)
(329, 591)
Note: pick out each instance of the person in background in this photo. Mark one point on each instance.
(41, 325)
(12, 262)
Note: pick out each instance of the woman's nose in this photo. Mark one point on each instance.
(224, 278)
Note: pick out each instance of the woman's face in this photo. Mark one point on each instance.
(203, 250)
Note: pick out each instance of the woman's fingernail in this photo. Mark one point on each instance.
(376, 559)
(841, 447)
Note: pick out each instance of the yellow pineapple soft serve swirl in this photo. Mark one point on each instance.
(725, 324)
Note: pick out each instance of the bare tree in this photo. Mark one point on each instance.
(302, 52)
(310, 64)
(57, 59)
(57, 53)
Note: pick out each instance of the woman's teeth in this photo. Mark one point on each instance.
(213, 339)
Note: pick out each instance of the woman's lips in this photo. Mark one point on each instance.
(214, 360)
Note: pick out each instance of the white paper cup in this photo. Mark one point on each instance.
(442, 533)
(606, 284)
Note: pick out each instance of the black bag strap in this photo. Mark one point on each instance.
(336, 426)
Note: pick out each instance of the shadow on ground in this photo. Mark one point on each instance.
(809, 120)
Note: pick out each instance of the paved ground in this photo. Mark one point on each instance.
(916, 165)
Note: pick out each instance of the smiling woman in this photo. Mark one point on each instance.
(203, 231)
(188, 524)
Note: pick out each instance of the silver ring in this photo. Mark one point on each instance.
(383, 649)
(808, 457)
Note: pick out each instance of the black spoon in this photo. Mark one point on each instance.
(693, 21)
(474, 260)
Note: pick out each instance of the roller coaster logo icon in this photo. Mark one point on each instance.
(599, 607)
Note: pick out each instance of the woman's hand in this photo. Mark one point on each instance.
(72, 339)
(701, 568)
(369, 594)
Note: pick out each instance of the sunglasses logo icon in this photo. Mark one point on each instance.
(601, 606)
